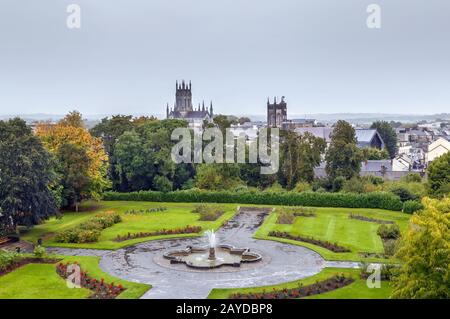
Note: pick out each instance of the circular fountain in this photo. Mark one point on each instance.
(212, 255)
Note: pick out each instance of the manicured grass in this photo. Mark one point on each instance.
(37, 281)
(177, 215)
(334, 225)
(40, 281)
(356, 290)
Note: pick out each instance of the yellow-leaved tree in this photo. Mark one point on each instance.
(82, 160)
(425, 254)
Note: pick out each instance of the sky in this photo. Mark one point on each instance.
(319, 54)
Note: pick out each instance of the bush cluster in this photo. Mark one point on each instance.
(389, 231)
(285, 218)
(382, 200)
(8, 259)
(412, 206)
(89, 231)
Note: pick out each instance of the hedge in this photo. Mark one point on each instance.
(383, 200)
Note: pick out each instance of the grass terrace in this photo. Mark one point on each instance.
(40, 281)
(177, 215)
(335, 226)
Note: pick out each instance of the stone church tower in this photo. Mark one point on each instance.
(276, 113)
(183, 107)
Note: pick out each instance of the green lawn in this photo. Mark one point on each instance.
(334, 225)
(356, 290)
(177, 215)
(40, 281)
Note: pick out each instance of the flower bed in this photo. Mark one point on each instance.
(325, 244)
(327, 285)
(89, 231)
(369, 219)
(146, 211)
(100, 289)
(176, 231)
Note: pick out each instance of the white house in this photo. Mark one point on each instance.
(436, 149)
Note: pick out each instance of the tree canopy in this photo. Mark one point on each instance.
(25, 178)
(68, 131)
(425, 253)
(343, 157)
(388, 135)
(439, 176)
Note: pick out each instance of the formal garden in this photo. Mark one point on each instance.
(109, 206)
(320, 229)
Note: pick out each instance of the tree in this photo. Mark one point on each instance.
(223, 122)
(54, 136)
(74, 118)
(217, 176)
(74, 174)
(243, 120)
(343, 156)
(439, 176)
(26, 174)
(300, 154)
(371, 154)
(388, 135)
(143, 157)
(425, 254)
(109, 130)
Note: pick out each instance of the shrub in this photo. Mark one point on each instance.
(382, 200)
(89, 231)
(302, 187)
(412, 178)
(389, 231)
(404, 193)
(39, 251)
(412, 206)
(354, 185)
(285, 218)
(8, 259)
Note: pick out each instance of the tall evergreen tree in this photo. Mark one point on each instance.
(25, 176)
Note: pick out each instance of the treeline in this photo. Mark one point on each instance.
(57, 166)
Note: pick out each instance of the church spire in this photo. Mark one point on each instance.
(211, 110)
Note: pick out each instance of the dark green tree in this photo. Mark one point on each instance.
(299, 155)
(388, 135)
(439, 176)
(343, 158)
(143, 157)
(109, 130)
(73, 167)
(26, 174)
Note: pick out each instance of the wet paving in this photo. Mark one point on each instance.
(143, 262)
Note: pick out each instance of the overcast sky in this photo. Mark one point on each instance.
(318, 53)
